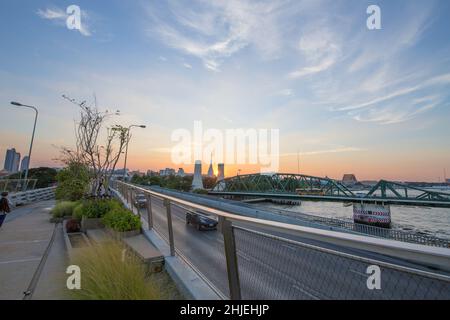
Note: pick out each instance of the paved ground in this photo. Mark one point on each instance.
(24, 237)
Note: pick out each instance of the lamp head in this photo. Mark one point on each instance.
(14, 103)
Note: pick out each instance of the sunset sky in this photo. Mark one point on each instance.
(375, 103)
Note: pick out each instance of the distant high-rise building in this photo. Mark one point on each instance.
(25, 163)
(220, 172)
(12, 160)
(181, 172)
(197, 182)
(167, 172)
(9, 159)
(151, 173)
(16, 162)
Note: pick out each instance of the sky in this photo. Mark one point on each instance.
(344, 98)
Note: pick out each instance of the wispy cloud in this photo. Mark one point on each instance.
(284, 92)
(323, 151)
(391, 115)
(52, 14)
(404, 36)
(215, 31)
(59, 16)
(438, 80)
(320, 50)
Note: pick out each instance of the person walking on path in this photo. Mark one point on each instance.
(4, 207)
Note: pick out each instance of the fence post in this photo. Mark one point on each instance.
(231, 257)
(169, 226)
(149, 212)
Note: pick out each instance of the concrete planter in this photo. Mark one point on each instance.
(74, 241)
(91, 223)
(121, 235)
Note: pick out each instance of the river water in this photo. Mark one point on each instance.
(429, 221)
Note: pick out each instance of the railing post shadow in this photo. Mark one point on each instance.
(169, 226)
(226, 228)
(149, 212)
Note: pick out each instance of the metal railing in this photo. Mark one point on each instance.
(21, 198)
(259, 259)
(373, 231)
(16, 185)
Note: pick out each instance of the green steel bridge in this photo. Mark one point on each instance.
(303, 187)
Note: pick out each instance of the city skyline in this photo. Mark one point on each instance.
(374, 103)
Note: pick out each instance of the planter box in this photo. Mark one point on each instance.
(91, 223)
(74, 241)
(121, 235)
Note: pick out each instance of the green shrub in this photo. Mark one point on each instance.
(97, 208)
(78, 211)
(71, 190)
(121, 220)
(63, 209)
(73, 182)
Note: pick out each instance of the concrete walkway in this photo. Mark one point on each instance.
(24, 238)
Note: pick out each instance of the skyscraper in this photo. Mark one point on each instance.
(16, 162)
(12, 160)
(25, 163)
(9, 159)
(181, 172)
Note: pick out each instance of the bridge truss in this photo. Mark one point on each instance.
(304, 187)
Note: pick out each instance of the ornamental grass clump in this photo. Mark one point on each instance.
(110, 272)
(63, 209)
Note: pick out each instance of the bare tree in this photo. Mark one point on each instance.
(100, 158)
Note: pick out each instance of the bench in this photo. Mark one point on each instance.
(146, 251)
(97, 235)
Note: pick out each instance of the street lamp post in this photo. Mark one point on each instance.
(17, 104)
(126, 148)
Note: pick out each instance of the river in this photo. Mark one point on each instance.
(429, 221)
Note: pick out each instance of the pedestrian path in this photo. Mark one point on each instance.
(24, 239)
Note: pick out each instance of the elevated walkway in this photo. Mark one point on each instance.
(32, 255)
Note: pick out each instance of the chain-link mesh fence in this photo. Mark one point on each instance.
(202, 249)
(160, 217)
(276, 268)
(398, 235)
